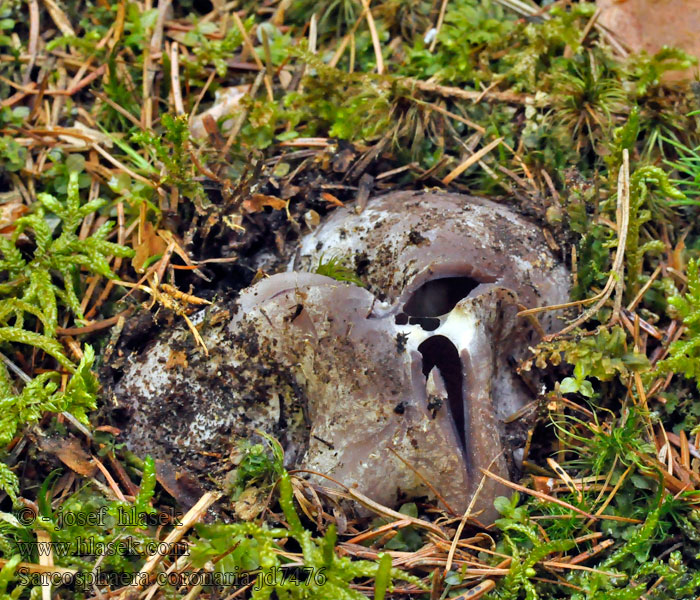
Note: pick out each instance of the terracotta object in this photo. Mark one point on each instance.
(652, 24)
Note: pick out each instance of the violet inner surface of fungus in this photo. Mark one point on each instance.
(379, 388)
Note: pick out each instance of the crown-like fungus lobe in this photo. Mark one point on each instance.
(351, 380)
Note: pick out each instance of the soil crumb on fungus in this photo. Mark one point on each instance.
(381, 388)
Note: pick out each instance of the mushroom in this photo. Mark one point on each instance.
(382, 389)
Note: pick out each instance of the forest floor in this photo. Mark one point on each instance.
(126, 199)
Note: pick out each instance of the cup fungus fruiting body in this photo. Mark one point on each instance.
(381, 388)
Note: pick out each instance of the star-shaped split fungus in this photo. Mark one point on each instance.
(382, 388)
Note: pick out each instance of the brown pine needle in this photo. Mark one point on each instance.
(615, 282)
(540, 495)
(474, 158)
(375, 37)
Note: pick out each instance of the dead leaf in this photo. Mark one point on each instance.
(109, 429)
(151, 245)
(250, 503)
(259, 201)
(180, 485)
(177, 358)
(82, 132)
(9, 213)
(331, 199)
(226, 106)
(343, 160)
(71, 453)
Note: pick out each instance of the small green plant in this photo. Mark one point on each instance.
(602, 356)
(336, 268)
(257, 465)
(171, 149)
(58, 255)
(252, 551)
(86, 530)
(688, 165)
(586, 95)
(651, 196)
(210, 51)
(36, 285)
(684, 354)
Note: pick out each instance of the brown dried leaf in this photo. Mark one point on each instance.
(331, 199)
(180, 485)
(71, 453)
(177, 358)
(259, 201)
(151, 245)
(250, 503)
(9, 213)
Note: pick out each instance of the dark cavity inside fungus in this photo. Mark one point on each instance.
(439, 296)
(438, 351)
(433, 299)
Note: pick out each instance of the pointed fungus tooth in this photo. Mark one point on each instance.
(417, 366)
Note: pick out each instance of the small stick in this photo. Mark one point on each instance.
(60, 18)
(464, 519)
(192, 517)
(474, 158)
(536, 494)
(110, 480)
(438, 27)
(455, 92)
(106, 323)
(375, 38)
(175, 79)
(616, 279)
(33, 45)
(122, 166)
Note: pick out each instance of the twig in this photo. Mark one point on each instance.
(149, 73)
(33, 45)
(344, 42)
(452, 115)
(120, 109)
(193, 516)
(109, 478)
(175, 79)
(94, 326)
(375, 38)
(371, 504)
(536, 494)
(438, 27)
(249, 45)
(455, 92)
(122, 166)
(616, 279)
(60, 18)
(464, 519)
(474, 158)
